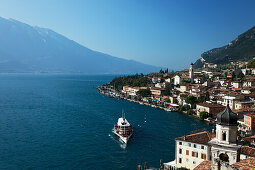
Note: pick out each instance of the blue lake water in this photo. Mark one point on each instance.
(62, 122)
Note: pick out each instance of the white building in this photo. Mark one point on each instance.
(177, 80)
(191, 150)
(224, 146)
(191, 73)
(156, 80)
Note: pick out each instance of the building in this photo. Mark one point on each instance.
(245, 105)
(247, 152)
(191, 150)
(131, 91)
(177, 80)
(191, 73)
(224, 146)
(249, 83)
(210, 65)
(156, 80)
(156, 91)
(236, 84)
(211, 108)
(218, 151)
(249, 121)
(232, 99)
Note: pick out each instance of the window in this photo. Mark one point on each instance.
(202, 147)
(194, 154)
(195, 146)
(194, 162)
(187, 152)
(224, 136)
(187, 160)
(180, 160)
(203, 156)
(189, 144)
(180, 151)
(180, 143)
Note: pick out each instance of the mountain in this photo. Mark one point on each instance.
(240, 49)
(24, 48)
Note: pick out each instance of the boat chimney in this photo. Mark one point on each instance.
(145, 165)
(161, 163)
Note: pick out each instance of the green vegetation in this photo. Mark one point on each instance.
(144, 93)
(190, 112)
(191, 100)
(203, 115)
(167, 91)
(251, 64)
(184, 108)
(240, 49)
(133, 80)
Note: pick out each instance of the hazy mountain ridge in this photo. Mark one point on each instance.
(33, 49)
(240, 49)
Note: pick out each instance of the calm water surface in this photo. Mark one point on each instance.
(61, 122)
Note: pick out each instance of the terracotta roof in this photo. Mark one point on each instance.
(185, 77)
(200, 138)
(210, 105)
(250, 139)
(246, 164)
(205, 165)
(246, 150)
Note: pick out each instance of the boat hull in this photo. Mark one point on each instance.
(123, 138)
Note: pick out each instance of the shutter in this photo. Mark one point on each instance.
(205, 156)
(197, 154)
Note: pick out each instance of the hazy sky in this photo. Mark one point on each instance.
(158, 32)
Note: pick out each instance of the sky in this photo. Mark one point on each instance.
(166, 33)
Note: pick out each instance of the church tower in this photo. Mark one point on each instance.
(224, 146)
(191, 73)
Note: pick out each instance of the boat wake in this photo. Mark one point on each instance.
(119, 141)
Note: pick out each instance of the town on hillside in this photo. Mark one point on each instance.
(223, 95)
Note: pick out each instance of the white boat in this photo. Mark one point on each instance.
(123, 129)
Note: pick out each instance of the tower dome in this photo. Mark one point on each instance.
(227, 117)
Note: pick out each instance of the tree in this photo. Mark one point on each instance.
(191, 100)
(144, 93)
(167, 90)
(190, 112)
(251, 64)
(161, 71)
(233, 75)
(207, 96)
(167, 100)
(203, 115)
(240, 76)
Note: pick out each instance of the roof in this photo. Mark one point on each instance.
(123, 122)
(227, 117)
(246, 164)
(246, 150)
(205, 165)
(210, 105)
(250, 115)
(200, 138)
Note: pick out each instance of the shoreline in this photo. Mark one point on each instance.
(111, 93)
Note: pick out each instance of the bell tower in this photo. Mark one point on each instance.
(224, 147)
(191, 73)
